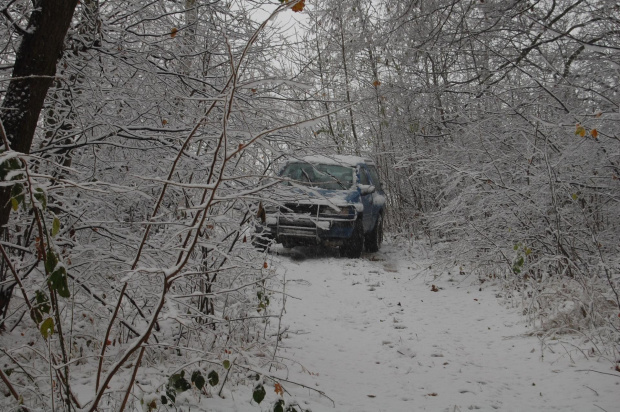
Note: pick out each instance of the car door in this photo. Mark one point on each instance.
(367, 199)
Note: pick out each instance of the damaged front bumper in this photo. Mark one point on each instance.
(310, 224)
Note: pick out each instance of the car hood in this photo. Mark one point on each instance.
(313, 195)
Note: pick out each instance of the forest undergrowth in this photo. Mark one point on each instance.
(578, 305)
(128, 278)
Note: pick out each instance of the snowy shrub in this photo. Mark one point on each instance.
(503, 152)
(134, 281)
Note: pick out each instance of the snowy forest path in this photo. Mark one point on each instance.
(373, 335)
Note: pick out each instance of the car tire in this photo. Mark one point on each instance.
(355, 244)
(375, 237)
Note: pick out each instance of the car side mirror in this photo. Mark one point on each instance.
(366, 189)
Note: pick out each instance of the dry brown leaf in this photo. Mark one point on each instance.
(299, 6)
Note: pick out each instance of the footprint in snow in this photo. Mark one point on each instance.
(406, 351)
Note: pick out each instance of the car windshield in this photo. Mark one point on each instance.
(322, 176)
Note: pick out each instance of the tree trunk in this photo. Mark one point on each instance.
(347, 88)
(33, 73)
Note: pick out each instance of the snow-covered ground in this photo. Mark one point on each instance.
(372, 335)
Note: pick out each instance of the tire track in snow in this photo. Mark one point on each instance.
(370, 333)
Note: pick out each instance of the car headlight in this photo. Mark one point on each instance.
(347, 211)
(344, 211)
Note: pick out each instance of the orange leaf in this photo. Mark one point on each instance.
(261, 212)
(299, 6)
(173, 32)
(580, 130)
(278, 389)
(594, 133)
(164, 122)
(241, 146)
(265, 265)
(376, 83)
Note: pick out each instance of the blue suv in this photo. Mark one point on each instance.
(334, 201)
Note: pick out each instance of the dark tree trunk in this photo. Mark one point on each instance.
(33, 73)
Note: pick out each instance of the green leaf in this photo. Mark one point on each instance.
(179, 383)
(198, 379)
(171, 393)
(213, 377)
(39, 194)
(182, 385)
(36, 315)
(55, 226)
(47, 328)
(43, 303)
(278, 406)
(226, 364)
(51, 260)
(17, 190)
(259, 393)
(575, 196)
(59, 283)
(9, 165)
(173, 378)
